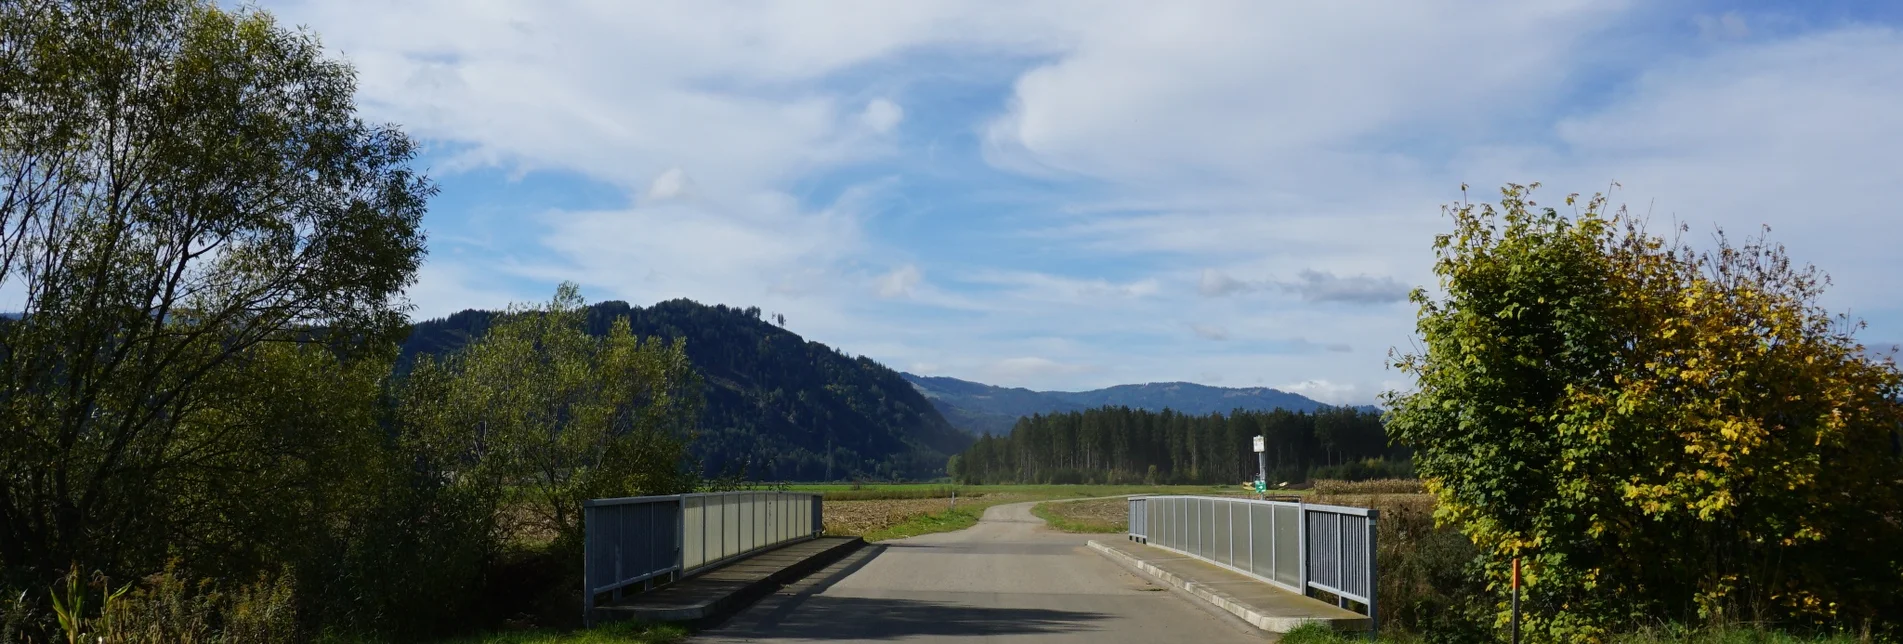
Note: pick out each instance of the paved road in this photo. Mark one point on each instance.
(1009, 578)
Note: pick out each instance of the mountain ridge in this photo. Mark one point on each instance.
(979, 408)
(778, 406)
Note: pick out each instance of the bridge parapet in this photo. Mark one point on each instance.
(640, 542)
(1294, 545)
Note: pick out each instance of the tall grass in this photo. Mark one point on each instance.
(164, 608)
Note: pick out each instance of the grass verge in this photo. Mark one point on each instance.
(962, 517)
(1093, 517)
(622, 632)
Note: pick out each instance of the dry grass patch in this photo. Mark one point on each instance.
(1377, 486)
(876, 519)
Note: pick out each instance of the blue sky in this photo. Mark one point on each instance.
(1068, 195)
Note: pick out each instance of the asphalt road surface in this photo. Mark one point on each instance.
(1008, 579)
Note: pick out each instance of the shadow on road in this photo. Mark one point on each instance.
(856, 618)
(809, 616)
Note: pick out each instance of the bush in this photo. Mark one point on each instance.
(1660, 433)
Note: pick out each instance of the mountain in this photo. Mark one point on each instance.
(980, 408)
(777, 405)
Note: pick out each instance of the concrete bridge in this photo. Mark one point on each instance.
(1012, 578)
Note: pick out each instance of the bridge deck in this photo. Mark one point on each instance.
(1010, 578)
(716, 593)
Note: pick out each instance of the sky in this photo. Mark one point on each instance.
(1070, 195)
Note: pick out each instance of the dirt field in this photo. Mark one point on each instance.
(869, 517)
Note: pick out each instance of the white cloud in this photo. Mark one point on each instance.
(1333, 393)
(1217, 284)
(1323, 286)
(882, 115)
(1312, 285)
(1726, 26)
(672, 184)
(1030, 371)
(1045, 287)
(1292, 152)
(1209, 331)
(899, 282)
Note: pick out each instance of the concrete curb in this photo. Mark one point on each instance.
(1217, 598)
(722, 606)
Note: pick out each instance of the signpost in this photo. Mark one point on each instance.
(1261, 466)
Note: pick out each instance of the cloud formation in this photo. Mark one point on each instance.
(1083, 179)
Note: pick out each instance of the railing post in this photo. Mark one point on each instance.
(1374, 560)
(587, 570)
(1301, 544)
(680, 537)
(1341, 558)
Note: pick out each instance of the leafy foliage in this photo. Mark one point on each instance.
(211, 248)
(776, 406)
(538, 410)
(1659, 432)
(1123, 445)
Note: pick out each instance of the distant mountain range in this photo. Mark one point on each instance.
(980, 408)
(780, 407)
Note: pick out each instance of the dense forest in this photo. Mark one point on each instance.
(1120, 444)
(777, 406)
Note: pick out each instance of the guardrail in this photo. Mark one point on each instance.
(1296, 546)
(647, 540)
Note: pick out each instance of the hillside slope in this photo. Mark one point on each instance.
(980, 408)
(778, 406)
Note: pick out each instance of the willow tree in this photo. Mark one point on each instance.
(180, 186)
(1659, 432)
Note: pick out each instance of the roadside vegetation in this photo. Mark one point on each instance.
(1097, 516)
(1743, 634)
(208, 435)
(1660, 433)
(623, 632)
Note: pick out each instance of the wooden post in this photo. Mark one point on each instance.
(1516, 600)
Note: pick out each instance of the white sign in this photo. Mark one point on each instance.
(1258, 445)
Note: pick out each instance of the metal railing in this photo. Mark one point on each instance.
(646, 540)
(1296, 546)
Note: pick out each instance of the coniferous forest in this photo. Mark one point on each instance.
(1124, 445)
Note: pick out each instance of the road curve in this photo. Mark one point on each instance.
(1008, 579)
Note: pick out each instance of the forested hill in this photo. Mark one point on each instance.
(778, 405)
(985, 409)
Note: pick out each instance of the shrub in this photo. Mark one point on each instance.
(1660, 433)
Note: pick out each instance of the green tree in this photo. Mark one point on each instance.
(198, 225)
(539, 414)
(1661, 433)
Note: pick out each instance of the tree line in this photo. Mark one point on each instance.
(1120, 444)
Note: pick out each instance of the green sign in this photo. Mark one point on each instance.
(1261, 487)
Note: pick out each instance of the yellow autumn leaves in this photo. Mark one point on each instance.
(1656, 428)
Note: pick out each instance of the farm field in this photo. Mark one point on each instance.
(879, 512)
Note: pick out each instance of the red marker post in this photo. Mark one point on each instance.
(1516, 600)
